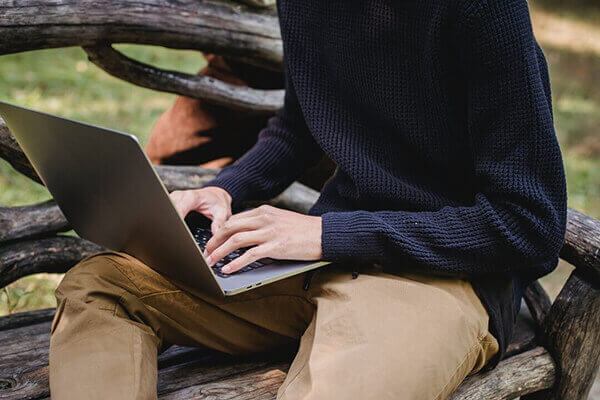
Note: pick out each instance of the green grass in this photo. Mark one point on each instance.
(64, 82)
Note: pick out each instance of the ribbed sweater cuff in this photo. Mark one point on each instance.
(342, 238)
(235, 186)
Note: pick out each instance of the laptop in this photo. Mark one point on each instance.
(111, 195)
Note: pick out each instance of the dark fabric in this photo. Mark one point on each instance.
(438, 116)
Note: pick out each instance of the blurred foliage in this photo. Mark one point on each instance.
(64, 82)
(30, 293)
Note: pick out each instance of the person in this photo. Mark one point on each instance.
(448, 196)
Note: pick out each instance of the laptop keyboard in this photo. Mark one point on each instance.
(203, 235)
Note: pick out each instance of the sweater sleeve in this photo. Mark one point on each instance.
(284, 150)
(516, 221)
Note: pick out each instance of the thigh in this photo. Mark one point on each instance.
(259, 320)
(383, 336)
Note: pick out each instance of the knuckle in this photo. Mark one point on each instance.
(265, 208)
(253, 252)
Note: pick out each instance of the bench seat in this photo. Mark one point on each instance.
(198, 373)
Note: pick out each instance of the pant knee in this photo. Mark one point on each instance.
(100, 293)
(97, 279)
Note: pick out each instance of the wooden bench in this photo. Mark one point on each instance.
(556, 348)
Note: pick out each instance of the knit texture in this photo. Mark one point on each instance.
(438, 115)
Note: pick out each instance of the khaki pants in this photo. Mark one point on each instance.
(380, 336)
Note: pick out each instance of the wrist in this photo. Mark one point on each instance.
(318, 233)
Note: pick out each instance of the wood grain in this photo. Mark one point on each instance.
(216, 26)
(18, 320)
(54, 255)
(513, 377)
(30, 221)
(572, 335)
(582, 244)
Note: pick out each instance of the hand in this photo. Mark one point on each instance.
(275, 233)
(212, 202)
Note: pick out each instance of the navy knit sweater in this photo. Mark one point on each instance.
(438, 115)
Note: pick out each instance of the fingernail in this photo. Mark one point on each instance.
(205, 253)
(226, 270)
(209, 261)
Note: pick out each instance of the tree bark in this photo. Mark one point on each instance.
(31, 221)
(196, 86)
(54, 255)
(18, 320)
(582, 244)
(513, 377)
(216, 26)
(572, 335)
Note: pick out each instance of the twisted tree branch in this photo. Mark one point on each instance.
(197, 86)
(54, 254)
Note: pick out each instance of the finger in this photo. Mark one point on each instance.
(235, 242)
(229, 228)
(242, 216)
(220, 215)
(264, 210)
(253, 254)
(181, 203)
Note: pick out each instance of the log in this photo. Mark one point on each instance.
(513, 377)
(53, 255)
(24, 348)
(260, 3)
(19, 320)
(184, 177)
(31, 221)
(196, 86)
(261, 384)
(215, 26)
(572, 334)
(582, 244)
